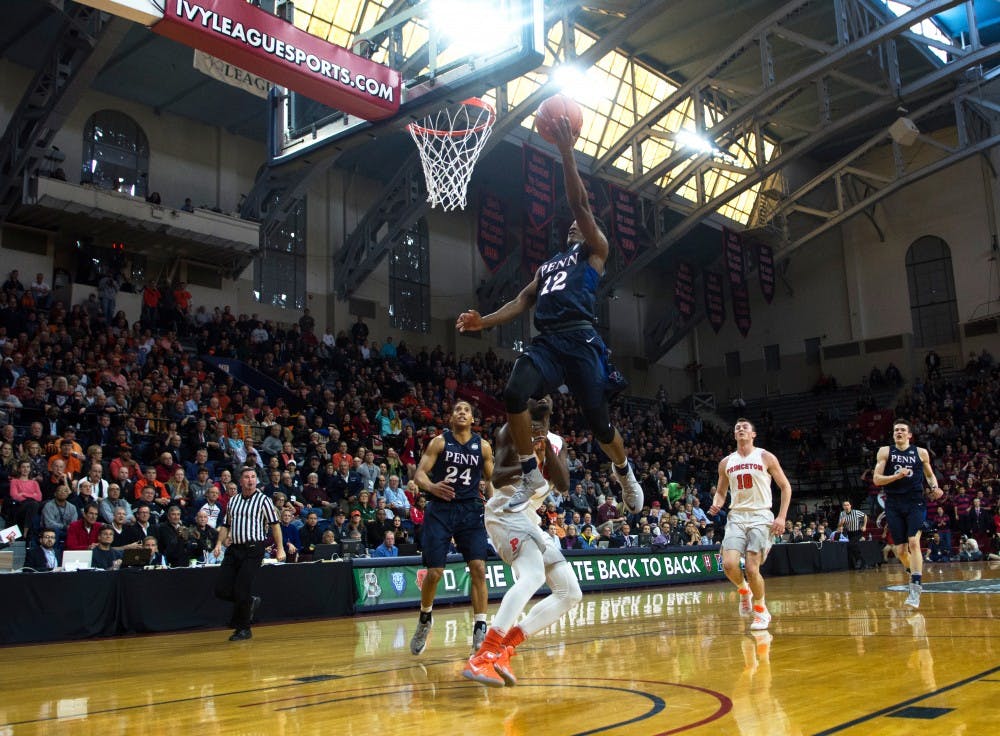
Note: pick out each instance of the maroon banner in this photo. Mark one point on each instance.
(625, 221)
(765, 269)
(492, 235)
(684, 291)
(534, 250)
(715, 300)
(741, 308)
(539, 187)
(596, 194)
(266, 45)
(732, 254)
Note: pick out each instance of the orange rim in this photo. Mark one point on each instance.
(472, 102)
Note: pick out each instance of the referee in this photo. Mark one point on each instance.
(244, 526)
(852, 523)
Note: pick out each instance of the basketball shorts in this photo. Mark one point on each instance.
(509, 532)
(749, 531)
(579, 359)
(904, 518)
(461, 520)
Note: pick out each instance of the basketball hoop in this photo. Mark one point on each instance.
(450, 141)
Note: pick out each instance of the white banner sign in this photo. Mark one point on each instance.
(232, 75)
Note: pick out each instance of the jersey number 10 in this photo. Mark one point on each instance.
(744, 482)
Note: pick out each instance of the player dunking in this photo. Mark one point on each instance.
(905, 510)
(568, 349)
(747, 475)
(533, 555)
(449, 473)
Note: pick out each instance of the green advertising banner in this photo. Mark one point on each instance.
(390, 586)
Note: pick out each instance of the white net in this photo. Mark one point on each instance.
(450, 141)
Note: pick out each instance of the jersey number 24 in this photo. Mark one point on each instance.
(451, 473)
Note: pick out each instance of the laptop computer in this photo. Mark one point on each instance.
(352, 548)
(77, 559)
(326, 551)
(136, 556)
(408, 550)
(603, 544)
(645, 540)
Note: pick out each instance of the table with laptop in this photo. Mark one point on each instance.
(78, 601)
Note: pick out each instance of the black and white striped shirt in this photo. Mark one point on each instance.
(248, 519)
(851, 520)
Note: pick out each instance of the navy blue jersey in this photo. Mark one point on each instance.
(905, 488)
(460, 465)
(567, 288)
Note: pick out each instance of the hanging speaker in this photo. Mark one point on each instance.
(904, 131)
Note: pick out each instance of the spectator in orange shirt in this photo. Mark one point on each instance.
(73, 462)
(149, 479)
(342, 454)
(182, 298)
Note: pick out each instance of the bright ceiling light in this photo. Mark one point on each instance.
(472, 28)
(576, 84)
(694, 142)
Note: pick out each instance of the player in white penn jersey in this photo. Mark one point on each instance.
(533, 554)
(747, 474)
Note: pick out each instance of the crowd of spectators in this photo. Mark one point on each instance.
(102, 416)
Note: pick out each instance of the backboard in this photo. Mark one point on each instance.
(445, 51)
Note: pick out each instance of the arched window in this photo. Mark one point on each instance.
(281, 265)
(115, 153)
(410, 280)
(932, 292)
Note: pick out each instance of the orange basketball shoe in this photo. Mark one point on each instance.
(480, 668)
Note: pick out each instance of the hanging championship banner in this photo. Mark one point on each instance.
(539, 187)
(715, 300)
(741, 308)
(684, 291)
(492, 235)
(765, 269)
(596, 194)
(534, 249)
(625, 219)
(732, 254)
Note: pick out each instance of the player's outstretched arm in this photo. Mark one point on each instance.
(576, 196)
(473, 321)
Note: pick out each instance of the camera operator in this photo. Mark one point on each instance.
(968, 549)
(936, 550)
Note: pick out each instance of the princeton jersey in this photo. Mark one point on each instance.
(460, 465)
(905, 488)
(497, 503)
(749, 481)
(567, 287)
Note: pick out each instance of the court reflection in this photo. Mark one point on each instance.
(757, 710)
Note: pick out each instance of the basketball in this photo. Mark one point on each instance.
(553, 108)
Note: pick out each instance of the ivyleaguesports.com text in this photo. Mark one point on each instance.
(255, 38)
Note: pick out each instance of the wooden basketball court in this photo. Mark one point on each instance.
(843, 656)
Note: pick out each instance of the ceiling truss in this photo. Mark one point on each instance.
(880, 42)
(81, 46)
